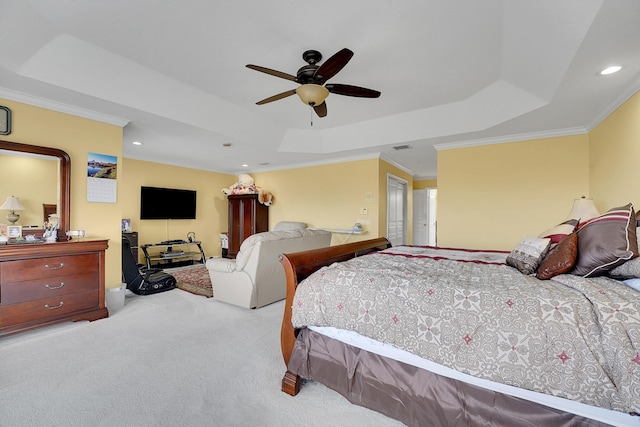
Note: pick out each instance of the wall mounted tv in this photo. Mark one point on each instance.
(167, 203)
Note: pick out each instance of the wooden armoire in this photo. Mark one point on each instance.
(247, 216)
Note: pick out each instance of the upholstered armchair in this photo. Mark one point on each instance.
(256, 277)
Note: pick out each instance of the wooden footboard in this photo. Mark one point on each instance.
(297, 267)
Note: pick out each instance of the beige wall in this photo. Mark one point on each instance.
(615, 157)
(211, 204)
(77, 136)
(326, 196)
(491, 196)
(421, 184)
(488, 196)
(30, 180)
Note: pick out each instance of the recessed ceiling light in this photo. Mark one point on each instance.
(610, 70)
(245, 165)
(226, 144)
(137, 143)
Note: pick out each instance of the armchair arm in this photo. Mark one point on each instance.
(223, 265)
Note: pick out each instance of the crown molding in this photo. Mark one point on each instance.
(393, 163)
(616, 103)
(61, 108)
(512, 138)
(314, 163)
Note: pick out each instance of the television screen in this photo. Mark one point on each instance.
(167, 203)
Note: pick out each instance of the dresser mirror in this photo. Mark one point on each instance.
(49, 193)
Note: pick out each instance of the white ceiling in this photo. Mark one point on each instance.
(451, 73)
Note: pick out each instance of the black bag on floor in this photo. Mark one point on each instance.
(147, 282)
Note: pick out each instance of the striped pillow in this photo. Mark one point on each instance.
(606, 241)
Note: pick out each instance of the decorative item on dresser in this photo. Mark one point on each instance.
(46, 283)
(12, 204)
(247, 216)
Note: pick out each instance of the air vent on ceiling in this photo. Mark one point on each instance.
(402, 147)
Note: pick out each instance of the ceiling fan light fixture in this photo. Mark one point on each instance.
(312, 94)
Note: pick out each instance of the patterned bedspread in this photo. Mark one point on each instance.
(570, 337)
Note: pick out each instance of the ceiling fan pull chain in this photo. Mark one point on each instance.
(311, 114)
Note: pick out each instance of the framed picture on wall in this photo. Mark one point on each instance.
(14, 231)
(3, 229)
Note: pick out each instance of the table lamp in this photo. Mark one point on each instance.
(12, 204)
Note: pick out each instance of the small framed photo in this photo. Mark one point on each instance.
(126, 225)
(14, 231)
(3, 229)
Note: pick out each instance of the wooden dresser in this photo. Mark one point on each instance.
(247, 216)
(46, 283)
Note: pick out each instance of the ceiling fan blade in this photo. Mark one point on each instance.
(272, 72)
(333, 65)
(277, 97)
(321, 110)
(349, 90)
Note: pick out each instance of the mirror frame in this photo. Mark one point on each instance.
(65, 181)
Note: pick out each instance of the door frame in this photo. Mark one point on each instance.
(405, 202)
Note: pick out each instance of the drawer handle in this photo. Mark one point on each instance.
(48, 286)
(54, 307)
(50, 267)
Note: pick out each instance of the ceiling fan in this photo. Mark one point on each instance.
(312, 78)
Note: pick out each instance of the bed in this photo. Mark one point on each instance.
(469, 369)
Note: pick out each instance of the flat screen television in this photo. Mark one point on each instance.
(167, 203)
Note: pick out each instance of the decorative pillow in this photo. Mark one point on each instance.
(560, 231)
(560, 258)
(527, 255)
(629, 269)
(606, 241)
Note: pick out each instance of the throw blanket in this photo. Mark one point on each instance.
(570, 337)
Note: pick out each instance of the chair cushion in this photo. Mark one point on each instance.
(289, 225)
(247, 246)
(224, 265)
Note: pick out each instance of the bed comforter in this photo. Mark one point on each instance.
(570, 337)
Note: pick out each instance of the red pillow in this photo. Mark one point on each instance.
(560, 258)
(560, 231)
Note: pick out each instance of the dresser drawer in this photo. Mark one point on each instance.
(12, 293)
(38, 268)
(47, 307)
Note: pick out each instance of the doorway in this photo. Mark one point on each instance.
(396, 210)
(424, 217)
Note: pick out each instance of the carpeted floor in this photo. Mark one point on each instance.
(193, 278)
(169, 359)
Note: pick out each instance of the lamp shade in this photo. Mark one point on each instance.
(583, 210)
(312, 94)
(12, 204)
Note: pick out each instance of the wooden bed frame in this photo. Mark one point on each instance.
(297, 267)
